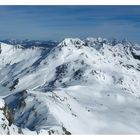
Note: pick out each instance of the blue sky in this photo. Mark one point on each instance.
(58, 22)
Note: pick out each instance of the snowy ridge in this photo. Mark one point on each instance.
(78, 83)
(6, 126)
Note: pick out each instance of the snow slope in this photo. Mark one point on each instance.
(6, 126)
(86, 86)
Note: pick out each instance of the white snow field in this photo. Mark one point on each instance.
(89, 86)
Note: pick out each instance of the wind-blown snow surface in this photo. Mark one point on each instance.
(89, 86)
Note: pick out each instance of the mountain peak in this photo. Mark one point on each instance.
(72, 42)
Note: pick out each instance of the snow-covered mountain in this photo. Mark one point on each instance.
(88, 86)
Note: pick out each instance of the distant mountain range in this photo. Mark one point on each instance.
(29, 43)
